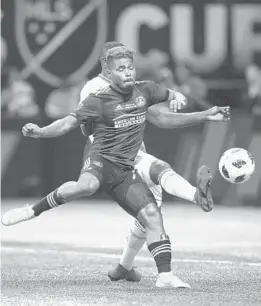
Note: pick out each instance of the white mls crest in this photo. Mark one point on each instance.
(51, 34)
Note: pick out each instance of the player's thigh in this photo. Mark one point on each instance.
(142, 165)
(132, 194)
(150, 168)
(88, 183)
(157, 168)
(86, 151)
(157, 193)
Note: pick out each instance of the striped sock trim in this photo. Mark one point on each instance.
(161, 251)
(51, 201)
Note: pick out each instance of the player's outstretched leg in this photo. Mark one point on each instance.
(134, 243)
(86, 185)
(174, 184)
(159, 246)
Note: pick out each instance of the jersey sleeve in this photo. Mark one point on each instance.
(89, 110)
(156, 92)
(90, 87)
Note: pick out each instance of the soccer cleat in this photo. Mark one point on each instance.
(168, 280)
(18, 215)
(119, 273)
(203, 195)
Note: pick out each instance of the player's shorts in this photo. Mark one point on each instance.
(125, 186)
(143, 163)
(87, 149)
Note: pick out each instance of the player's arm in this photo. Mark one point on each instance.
(55, 129)
(89, 110)
(160, 116)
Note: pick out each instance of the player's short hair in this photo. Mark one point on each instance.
(107, 46)
(119, 52)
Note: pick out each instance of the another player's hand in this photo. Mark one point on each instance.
(218, 113)
(179, 102)
(31, 130)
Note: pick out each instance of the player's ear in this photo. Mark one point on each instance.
(108, 72)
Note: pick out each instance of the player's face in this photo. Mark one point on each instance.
(123, 73)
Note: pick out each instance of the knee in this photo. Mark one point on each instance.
(157, 168)
(88, 185)
(151, 210)
(149, 215)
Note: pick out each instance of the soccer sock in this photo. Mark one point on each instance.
(176, 185)
(135, 241)
(52, 200)
(161, 251)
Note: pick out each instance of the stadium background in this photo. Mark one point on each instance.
(48, 49)
(48, 41)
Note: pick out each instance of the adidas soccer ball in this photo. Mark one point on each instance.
(236, 165)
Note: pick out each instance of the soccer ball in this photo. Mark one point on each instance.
(236, 165)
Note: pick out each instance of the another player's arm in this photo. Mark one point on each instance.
(160, 116)
(157, 94)
(57, 128)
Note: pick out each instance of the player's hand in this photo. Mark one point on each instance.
(84, 130)
(218, 113)
(179, 102)
(31, 130)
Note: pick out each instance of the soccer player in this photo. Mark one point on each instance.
(156, 173)
(118, 113)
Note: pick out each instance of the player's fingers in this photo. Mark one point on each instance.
(25, 128)
(25, 132)
(172, 106)
(183, 103)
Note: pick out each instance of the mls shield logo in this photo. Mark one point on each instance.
(60, 39)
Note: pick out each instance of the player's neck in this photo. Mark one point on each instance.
(104, 77)
(120, 90)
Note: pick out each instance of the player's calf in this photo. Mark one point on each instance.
(157, 240)
(159, 246)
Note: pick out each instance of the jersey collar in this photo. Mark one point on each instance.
(104, 78)
(116, 88)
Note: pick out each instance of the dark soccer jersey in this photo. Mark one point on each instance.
(119, 119)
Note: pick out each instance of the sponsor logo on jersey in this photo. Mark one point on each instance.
(129, 119)
(139, 102)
